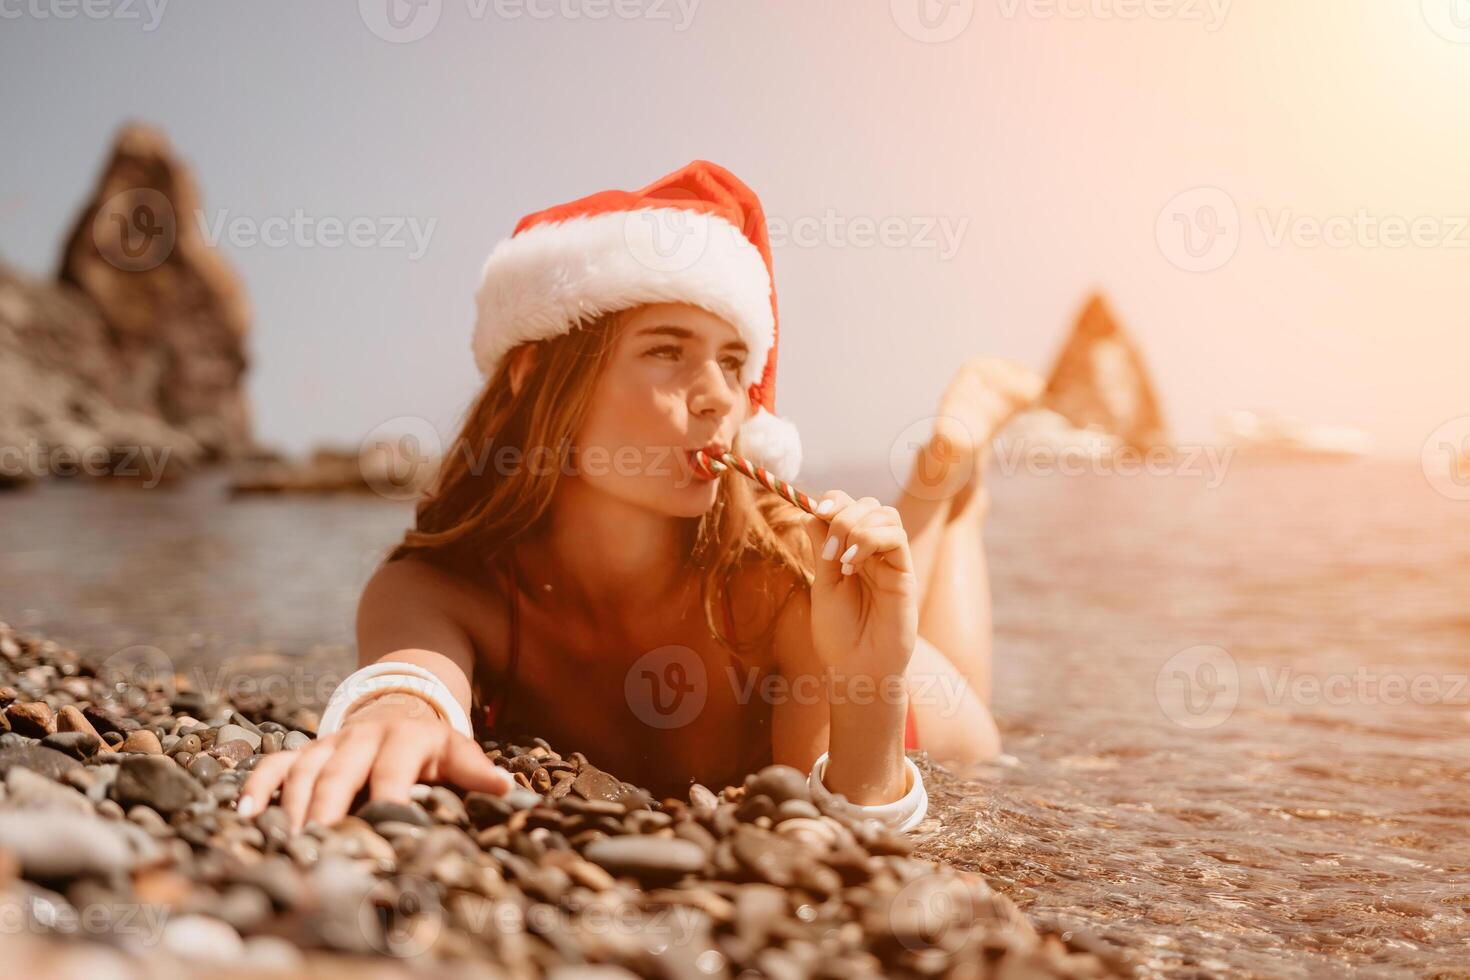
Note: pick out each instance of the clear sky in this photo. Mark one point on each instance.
(1274, 194)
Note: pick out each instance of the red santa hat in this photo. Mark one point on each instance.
(697, 235)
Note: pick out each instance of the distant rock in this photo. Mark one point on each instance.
(386, 468)
(1266, 434)
(59, 408)
(1100, 383)
(130, 364)
(176, 312)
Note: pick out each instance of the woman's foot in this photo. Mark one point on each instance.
(984, 394)
(945, 484)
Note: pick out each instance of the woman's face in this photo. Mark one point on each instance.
(671, 387)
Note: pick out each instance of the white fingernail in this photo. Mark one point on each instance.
(246, 807)
(847, 555)
(825, 507)
(830, 548)
(846, 569)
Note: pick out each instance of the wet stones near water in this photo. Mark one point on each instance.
(574, 874)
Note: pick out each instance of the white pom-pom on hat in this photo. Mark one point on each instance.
(773, 442)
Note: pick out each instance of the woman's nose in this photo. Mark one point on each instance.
(711, 393)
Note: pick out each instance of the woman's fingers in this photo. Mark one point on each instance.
(839, 547)
(344, 774)
(259, 786)
(879, 532)
(319, 782)
(399, 766)
(296, 793)
(465, 764)
(819, 535)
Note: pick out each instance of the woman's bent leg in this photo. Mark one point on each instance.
(954, 726)
(944, 516)
(955, 616)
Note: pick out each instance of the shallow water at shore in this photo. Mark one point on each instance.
(1236, 714)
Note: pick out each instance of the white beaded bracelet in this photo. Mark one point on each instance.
(903, 814)
(385, 677)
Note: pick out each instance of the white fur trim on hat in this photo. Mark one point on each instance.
(542, 282)
(773, 442)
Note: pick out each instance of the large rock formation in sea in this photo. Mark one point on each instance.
(138, 347)
(1101, 383)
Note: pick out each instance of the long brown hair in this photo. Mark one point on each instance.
(474, 508)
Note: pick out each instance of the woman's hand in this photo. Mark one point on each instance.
(864, 623)
(391, 743)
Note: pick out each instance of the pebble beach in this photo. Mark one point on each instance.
(121, 855)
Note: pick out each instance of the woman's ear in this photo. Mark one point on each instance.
(522, 359)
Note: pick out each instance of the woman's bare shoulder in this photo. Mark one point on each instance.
(415, 577)
(418, 584)
(413, 602)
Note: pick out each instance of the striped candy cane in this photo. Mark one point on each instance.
(760, 475)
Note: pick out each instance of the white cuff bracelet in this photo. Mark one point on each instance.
(903, 814)
(393, 675)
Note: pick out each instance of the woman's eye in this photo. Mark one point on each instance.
(731, 363)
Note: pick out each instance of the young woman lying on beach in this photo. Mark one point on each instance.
(612, 595)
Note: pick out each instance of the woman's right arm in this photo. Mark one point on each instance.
(391, 741)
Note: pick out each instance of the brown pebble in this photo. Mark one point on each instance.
(71, 719)
(33, 718)
(142, 740)
(233, 752)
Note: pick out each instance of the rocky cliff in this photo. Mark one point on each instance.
(138, 346)
(1100, 382)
